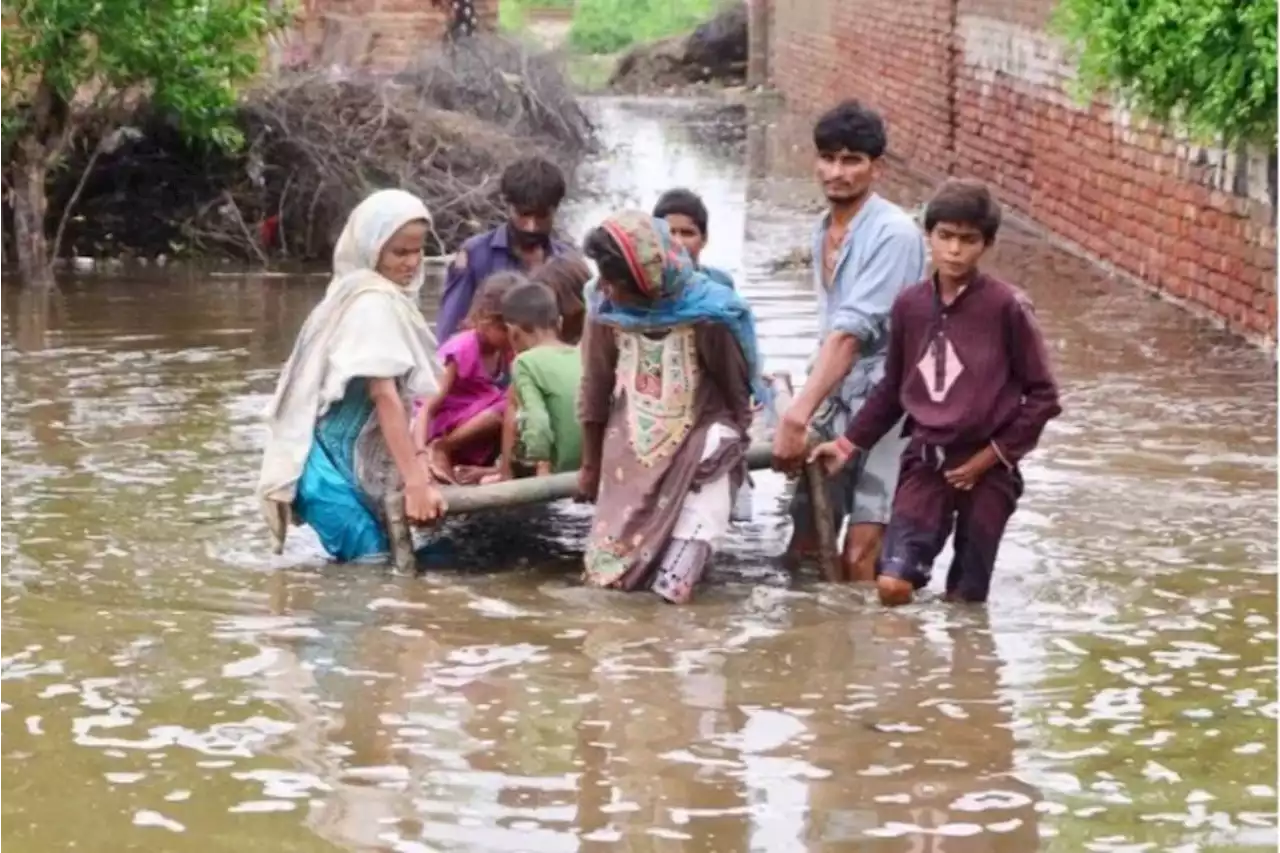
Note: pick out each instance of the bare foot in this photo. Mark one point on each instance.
(470, 475)
(894, 591)
(440, 463)
(799, 550)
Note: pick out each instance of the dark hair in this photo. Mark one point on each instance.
(849, 126)
(533, 184)
(488, 301)
(600, 247)
(964, 202)
(683, 203)
(566, 276)
(531, 305)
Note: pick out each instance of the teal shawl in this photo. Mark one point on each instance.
(676, 292)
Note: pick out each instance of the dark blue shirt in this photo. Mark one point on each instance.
(480, 257)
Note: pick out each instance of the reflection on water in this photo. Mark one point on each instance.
(169, 685)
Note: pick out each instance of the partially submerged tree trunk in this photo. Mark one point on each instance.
(30, 204)
(43, 140)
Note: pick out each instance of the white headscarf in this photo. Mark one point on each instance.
(366, 326)
(373, 222)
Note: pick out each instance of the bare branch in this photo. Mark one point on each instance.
(56, 246)
(444, 130)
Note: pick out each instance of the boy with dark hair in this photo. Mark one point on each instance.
(533, 189)
(686, 218)
(866, 250)
(968, 367)
(542, 429)
(567, 276)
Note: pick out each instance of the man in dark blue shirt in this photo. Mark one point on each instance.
(533, 189)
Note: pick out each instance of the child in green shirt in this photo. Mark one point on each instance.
(544, 432)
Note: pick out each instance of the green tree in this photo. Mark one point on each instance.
(606, 26)
(1208, 65)
(68, 63)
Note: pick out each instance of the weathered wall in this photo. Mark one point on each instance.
(978, 88)
(380, 34)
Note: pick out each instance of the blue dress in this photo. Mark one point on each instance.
(329, 498)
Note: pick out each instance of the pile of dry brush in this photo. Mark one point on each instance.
(714, 53)
(316, 144)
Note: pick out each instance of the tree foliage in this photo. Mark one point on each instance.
(186, 55)
(606, 26)
(68, 64)
(1208, 65)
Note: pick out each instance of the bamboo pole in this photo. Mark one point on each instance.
(536, 490)
(462, 500)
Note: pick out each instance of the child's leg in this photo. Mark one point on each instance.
(682, 565)
(981, 517)
(923, 507)
(703, 521)
(484, 428)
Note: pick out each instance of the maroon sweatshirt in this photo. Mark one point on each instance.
(966, 374)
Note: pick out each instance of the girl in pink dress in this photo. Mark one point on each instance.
(462, 423)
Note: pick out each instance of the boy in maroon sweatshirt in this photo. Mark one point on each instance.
(968, 367)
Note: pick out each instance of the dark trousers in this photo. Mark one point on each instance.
(925, 510)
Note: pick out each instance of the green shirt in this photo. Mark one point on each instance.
(546, 381)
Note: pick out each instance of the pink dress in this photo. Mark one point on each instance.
(474, 391)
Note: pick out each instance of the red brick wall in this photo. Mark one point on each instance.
(381, 34)
(890, 53)
(978, 88)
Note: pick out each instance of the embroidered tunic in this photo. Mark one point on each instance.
(659, 397)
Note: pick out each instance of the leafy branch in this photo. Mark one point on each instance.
(1207, 65)
(69, 64)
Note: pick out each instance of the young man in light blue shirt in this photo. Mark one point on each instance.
(866, 250)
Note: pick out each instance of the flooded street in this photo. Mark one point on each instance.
(170, 685)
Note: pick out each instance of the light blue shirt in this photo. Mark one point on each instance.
(883, 254)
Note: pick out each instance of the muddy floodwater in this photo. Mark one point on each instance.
(169, 685)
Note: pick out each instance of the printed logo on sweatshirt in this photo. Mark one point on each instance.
(940, 368)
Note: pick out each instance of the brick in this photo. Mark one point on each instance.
(1177, 286)
(384, 33)
(1219, 283)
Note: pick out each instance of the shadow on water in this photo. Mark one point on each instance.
(169, 685)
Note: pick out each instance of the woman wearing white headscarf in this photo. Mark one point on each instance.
(339, 421)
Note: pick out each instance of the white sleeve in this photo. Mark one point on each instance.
(371, 341)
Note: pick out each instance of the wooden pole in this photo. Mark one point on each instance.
(398, 533)
(815, 480)
(758, 42)
(824, 522)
